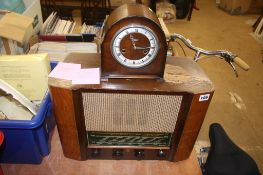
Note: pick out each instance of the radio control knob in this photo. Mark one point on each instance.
(160, 153)
(95, 152)
(139, 153)
(117, 153)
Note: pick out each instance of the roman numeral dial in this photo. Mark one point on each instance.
(135, 46)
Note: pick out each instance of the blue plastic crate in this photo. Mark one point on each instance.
(28, 141)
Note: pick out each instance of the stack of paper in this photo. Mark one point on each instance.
(73, 72)
(59, 50)
(26, 73)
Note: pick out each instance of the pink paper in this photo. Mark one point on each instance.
(87, 76)
(64, 71)
(73, 72)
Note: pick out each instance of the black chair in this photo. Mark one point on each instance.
(225, 157)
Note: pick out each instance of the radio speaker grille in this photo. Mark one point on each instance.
(112, 112)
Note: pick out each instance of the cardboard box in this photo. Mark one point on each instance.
(13, 47)
(15, 32)
(16, 27)
(237, 7)
(33, 10)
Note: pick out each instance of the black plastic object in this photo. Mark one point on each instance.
(182, 8)
(225, 157)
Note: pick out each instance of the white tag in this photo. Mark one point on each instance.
(204, 97)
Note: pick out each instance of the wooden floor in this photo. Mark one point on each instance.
(56, 164)
(237, 103)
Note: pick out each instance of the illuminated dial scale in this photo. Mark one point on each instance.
(135, 46)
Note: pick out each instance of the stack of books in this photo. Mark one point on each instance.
(56, 26)
(57, 29)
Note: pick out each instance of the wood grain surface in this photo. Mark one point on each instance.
(122, 17)
(185, 79)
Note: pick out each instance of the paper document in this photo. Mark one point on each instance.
(28, 74)
(73, 72)
(87, 76)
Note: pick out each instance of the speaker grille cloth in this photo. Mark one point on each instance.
(112, 112)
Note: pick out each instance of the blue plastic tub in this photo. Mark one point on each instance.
(28, 141)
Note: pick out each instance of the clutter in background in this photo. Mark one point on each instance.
(166, 11)
(33, 11)
(14, 105)
(15, 32)
(237, 7)
(57, 29)
(58, 51)
(258, 29)
(17, 6)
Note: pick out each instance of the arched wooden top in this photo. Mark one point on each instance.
(131, 10)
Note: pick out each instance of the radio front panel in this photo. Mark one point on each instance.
(130, 120)
(134, 121)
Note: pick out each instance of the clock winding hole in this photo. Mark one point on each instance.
(145, 52)
(123, 51)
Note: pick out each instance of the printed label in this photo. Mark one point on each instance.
(35, 22)
(204, 97)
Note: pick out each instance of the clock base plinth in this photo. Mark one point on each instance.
(130, 77)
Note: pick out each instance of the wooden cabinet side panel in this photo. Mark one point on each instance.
(70, 124)
(192, 127)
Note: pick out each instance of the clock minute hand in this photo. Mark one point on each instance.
(142, 48)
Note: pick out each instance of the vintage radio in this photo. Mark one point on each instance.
(145, 107)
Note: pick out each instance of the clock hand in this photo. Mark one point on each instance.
(142, 48)
(133, 40)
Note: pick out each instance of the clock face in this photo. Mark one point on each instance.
(135, 46)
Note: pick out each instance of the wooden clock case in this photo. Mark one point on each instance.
(135, 14)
